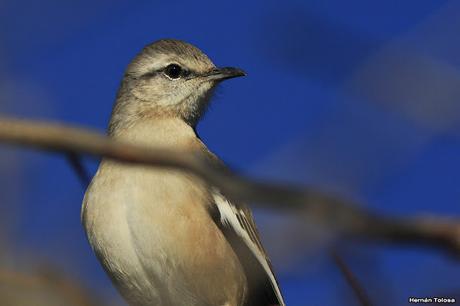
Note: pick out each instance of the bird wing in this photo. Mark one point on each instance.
(237, 224)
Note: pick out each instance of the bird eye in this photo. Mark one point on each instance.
(173, 71)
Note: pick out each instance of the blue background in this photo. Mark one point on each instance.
(356, 97)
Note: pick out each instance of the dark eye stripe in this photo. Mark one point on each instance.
(149, 74)
(185, 73)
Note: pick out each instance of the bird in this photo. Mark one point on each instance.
(164, 236)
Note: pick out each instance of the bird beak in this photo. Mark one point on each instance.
(219, 74)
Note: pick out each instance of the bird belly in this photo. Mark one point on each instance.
(154, 236)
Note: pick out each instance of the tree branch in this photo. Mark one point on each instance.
(351, 280)
(337, 214)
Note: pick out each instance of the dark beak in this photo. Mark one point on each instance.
(224, 73)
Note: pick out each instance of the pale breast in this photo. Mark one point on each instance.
(152, 232)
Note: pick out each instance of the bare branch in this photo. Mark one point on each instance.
(337, 214)
(77, 166)
(351, 279)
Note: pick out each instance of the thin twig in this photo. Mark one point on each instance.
(77, 166)
(351, 279)
(338, 214)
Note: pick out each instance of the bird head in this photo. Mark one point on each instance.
(168, 78)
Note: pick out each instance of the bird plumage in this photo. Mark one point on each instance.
(164, 236)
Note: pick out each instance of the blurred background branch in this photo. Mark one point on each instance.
(45, 286)
(340, 216)
(351, 279)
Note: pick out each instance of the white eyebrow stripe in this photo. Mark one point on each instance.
(160, 61)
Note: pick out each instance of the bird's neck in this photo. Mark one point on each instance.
(164, 132)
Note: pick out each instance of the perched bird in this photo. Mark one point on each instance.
(164, 236)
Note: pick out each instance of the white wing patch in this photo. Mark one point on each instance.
(237, 219)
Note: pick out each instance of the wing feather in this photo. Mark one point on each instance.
(238, 225)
